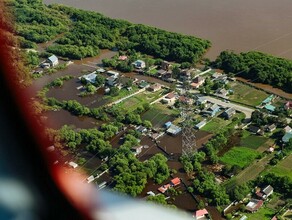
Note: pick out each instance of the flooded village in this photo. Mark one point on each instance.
(165, 95)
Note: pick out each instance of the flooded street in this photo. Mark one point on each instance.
(243, 25)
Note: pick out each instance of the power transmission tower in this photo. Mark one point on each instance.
(188, 132)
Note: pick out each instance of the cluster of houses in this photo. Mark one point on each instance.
(174, 182)
(267, 104)
(262, 194)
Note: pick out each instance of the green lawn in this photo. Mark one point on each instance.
(215, 125)
(247, 94)
(261, 214)
(283, 168)
(159, 114)
(241, 156)
(137, 100)
(253, 141)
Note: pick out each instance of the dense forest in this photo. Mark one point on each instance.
(258, 67)
(86, 32)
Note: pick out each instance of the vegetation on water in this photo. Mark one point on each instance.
(87, 32)
(258, 67)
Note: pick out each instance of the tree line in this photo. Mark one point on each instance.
(258, 67)
(86, 32)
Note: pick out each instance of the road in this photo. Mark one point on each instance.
(247, 111)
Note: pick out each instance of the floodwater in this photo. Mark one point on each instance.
(241, 25)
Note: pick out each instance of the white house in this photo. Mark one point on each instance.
(53, 60)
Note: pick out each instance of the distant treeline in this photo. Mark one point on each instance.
(87, 32)
(258, 67)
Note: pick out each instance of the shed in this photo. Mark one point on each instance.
(201, 124)
(73, 164)
(254, 205)
(168, 124)
(53, 60)
(173, 130)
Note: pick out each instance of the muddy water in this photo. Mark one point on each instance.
(241, 25)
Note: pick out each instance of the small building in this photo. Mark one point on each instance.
(73, 164)
(268, 100)
(287, 137)
(201, 214)
(113, 73)
(173, 130)
(164, 188)
(160, 73)
(201, 124)
(143, 84)
(185, 75)
(175, 182)
(254, 205)
(169, 98)
(213, 110)
(137, 150)
(288, 105)
(287, 129)
(91, 77)
(254, 129)
(228, 113)
(141, 129)
(222, 92)
(271, 127)
(201, 100)
(216, 75)
(267, 191)
(185, 100)
(139, 64)
(53, 61)
(123, 57)
(270, 107)
(165, 65)
(155, 87)
(244, 217)
(167, 124)
(111, 81)
(197, 82)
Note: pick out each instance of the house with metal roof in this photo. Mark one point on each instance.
(287, 137)
(53, 60)
(254, 205)
(201, 124)
(173, 130)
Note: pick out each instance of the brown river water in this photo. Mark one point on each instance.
(240, 25)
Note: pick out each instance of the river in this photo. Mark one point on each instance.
(240, 25)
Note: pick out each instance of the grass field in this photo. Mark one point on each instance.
(241, 156)
(215, 125)
(262, 213)
(283, 168)
(137, 100)
(159, 114)
(246, 94)
(253, 141)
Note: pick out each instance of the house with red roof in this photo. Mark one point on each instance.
(175, 182)
(201, 214)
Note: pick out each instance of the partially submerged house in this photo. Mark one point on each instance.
(201, 214)
(173, 130)
(53, 61)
